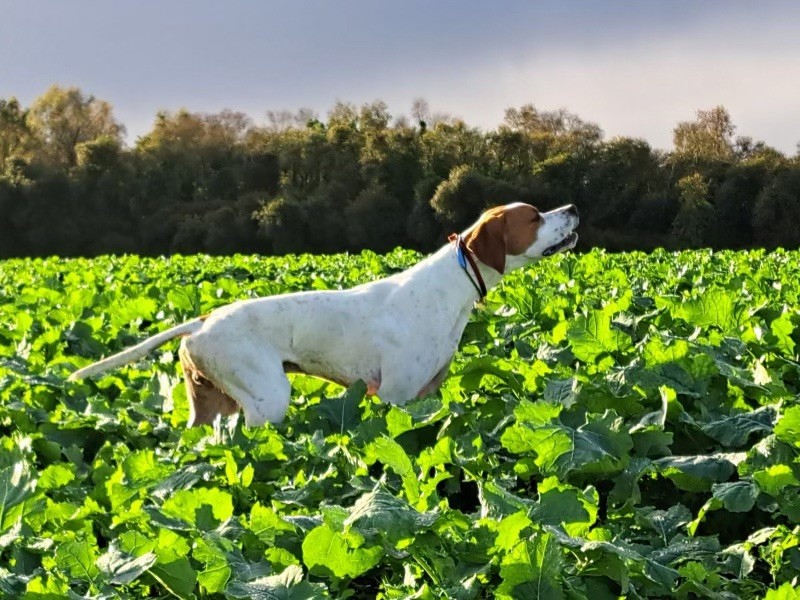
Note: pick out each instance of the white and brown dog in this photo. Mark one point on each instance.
(397, 334)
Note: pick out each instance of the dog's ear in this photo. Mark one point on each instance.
(487, 241)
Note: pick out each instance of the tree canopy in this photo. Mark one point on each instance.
(360, 177)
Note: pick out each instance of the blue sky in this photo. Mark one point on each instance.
(635, 68)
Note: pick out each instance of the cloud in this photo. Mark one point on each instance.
(641, 86)
(636, 69)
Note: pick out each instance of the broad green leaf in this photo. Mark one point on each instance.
(497, 502)
(714, 307)
(734, 431)
(77, 558)
(391, 454)
(773, 480)
(509, 529)
(120, 568)
(562, 391)
(535, 414)
(478, 371)
(56, 476)
(665, 523)
(788, 426)
(185, 300)
(547, 444)
(414, 415)
(216, 571)
(565, 506)
(183, 478)
(173, 568)
(785, 592)
(600, 445)
(266, 523)
(697, 473)
(51, 587)
(592, 336)
(398, 421)
(342, 411)
(657, 352)
(440, 454)
(736, 496)
(17, 486)
(380, 512)
(532, 570)
(287, 585)
(144, 467)
(782, 328)
(205, 508)
(327, 552)
(178, 576)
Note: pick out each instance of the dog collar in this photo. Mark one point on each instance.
(463, 254)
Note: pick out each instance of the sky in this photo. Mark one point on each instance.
(636, 68)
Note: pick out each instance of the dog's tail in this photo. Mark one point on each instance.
(138, 351)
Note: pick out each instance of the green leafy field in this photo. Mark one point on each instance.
(613, 425)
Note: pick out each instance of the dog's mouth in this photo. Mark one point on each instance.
(565, 244)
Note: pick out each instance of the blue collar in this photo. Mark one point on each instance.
(464, 255)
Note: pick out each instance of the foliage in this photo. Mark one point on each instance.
(359, 178)
(613, 425)
(695, 214)
(777, 211)
(62, 119)
(709, 137)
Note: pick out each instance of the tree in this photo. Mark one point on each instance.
(466, 193)
(196, 156)
(776, 216)
(734, 202)
(449, 144)
(62, 118)
(99, 154)
(283, 225)
(281, 120)
(512, 152)
(694, 216)
(374, 116)
(344, 114)
(215, 182)
(558, 130)
(421, 113)
(15, 139)
(620, 174)
(375, 220)
(709, 137)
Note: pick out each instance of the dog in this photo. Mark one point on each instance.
(397, 334)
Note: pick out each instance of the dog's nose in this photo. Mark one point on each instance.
(573, 210)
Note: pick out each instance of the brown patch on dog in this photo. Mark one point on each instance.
(503, 231)
(206, 401)
(487, 240)
(522, 228)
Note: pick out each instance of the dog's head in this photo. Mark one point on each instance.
(508, 237)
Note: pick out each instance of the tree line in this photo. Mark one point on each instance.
(361, 178)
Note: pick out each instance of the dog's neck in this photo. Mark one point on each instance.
(448, 276)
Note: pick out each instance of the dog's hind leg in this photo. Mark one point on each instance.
(255, 380)
(206, 402)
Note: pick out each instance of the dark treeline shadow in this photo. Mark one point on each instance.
(359, 178)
